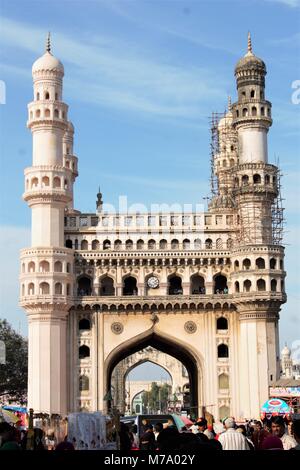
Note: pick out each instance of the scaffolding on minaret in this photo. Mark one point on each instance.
(277, 209)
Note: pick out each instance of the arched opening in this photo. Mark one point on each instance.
(23, 267)
(84, 286)
(237, 286)
(47, 95)
(245, 180)
(31, 267)
(84, 324)
(220, 284)
(34, 182)
(76, 244)
(163, 244)
(197, 284)
(261, 285)
(281, 264)
(186, 244)
(151, 245)
(222, 323)
(47, 112)
(208, 244)
(267, 179)
(38, 113)
(237, 113)
(38, 96)
(174, 244)
(95, 245)
(260, 263)
(223, 380)
(224, 162)
(246, 263)
(23, 290)
(254, 111)
(130, 286)
(129, 244)
(107, 286)
(44, 288)
(182, 353)
(223, 351)
(56, 113)
(262, 111)
(30, 288)
(58, 267)
(84, 245)
(219, 244)
(229, 243)
(45, 181)
(256, 179)
(56, 182)
(84, 383)
(118, 245)
(140, 244)
(252, 94)
(84, 352)
(174, 285)
(236, 265)
(282, 285)
(69, 244)
(272, 263)
(58, 288)
(197, 244)
(273, 285)
(44, 266)
(106, 245)
(247, 285)
(245, 112)
(68, 289)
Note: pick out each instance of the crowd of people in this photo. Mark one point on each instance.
(276, 435)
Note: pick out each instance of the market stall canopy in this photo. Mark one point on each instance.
(275, 406)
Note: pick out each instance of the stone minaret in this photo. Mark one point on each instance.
(258, 263)
(47, 266)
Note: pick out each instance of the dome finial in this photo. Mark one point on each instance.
(48, 43)
(249, 43)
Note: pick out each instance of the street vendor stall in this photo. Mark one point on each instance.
(275, 407)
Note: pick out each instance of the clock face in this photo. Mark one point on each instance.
(153, 282)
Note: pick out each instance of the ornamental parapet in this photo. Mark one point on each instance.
(46, 302)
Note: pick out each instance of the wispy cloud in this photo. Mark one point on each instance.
(288, 3)
(113, 76)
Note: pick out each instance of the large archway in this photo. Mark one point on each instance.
(168, 346)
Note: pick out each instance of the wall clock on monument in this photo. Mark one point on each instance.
(153, 282)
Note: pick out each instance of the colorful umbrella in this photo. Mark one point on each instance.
(8, 416)
(275, 406)
(186, 421)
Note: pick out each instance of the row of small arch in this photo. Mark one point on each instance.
(253, 111)
(48, 113)
(44, 267)
(46, 96)
(44, 289)
(260, 285)
(260, 263)
(256, 179)
(45, 182)
(151, 244)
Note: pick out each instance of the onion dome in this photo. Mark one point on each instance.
(47, 62)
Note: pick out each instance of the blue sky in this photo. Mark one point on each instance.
(141, 79)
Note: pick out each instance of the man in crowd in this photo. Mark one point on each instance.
(278, 429)
(202, 427)
(231, 439)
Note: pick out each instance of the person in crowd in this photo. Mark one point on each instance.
(202, 428)
(272, 443)
(7, 438)
(147, 441)
(278, 430)
(259, 434)
(231, 439)
(296, 430)
(168, 439)
(290, 428)
(134, 437)
(158, 429)
(241, 428)
(194, 427)
(125, 442)
(64, 445)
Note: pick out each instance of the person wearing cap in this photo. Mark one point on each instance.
(272, 443)
(231, 439)
(278, 430)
